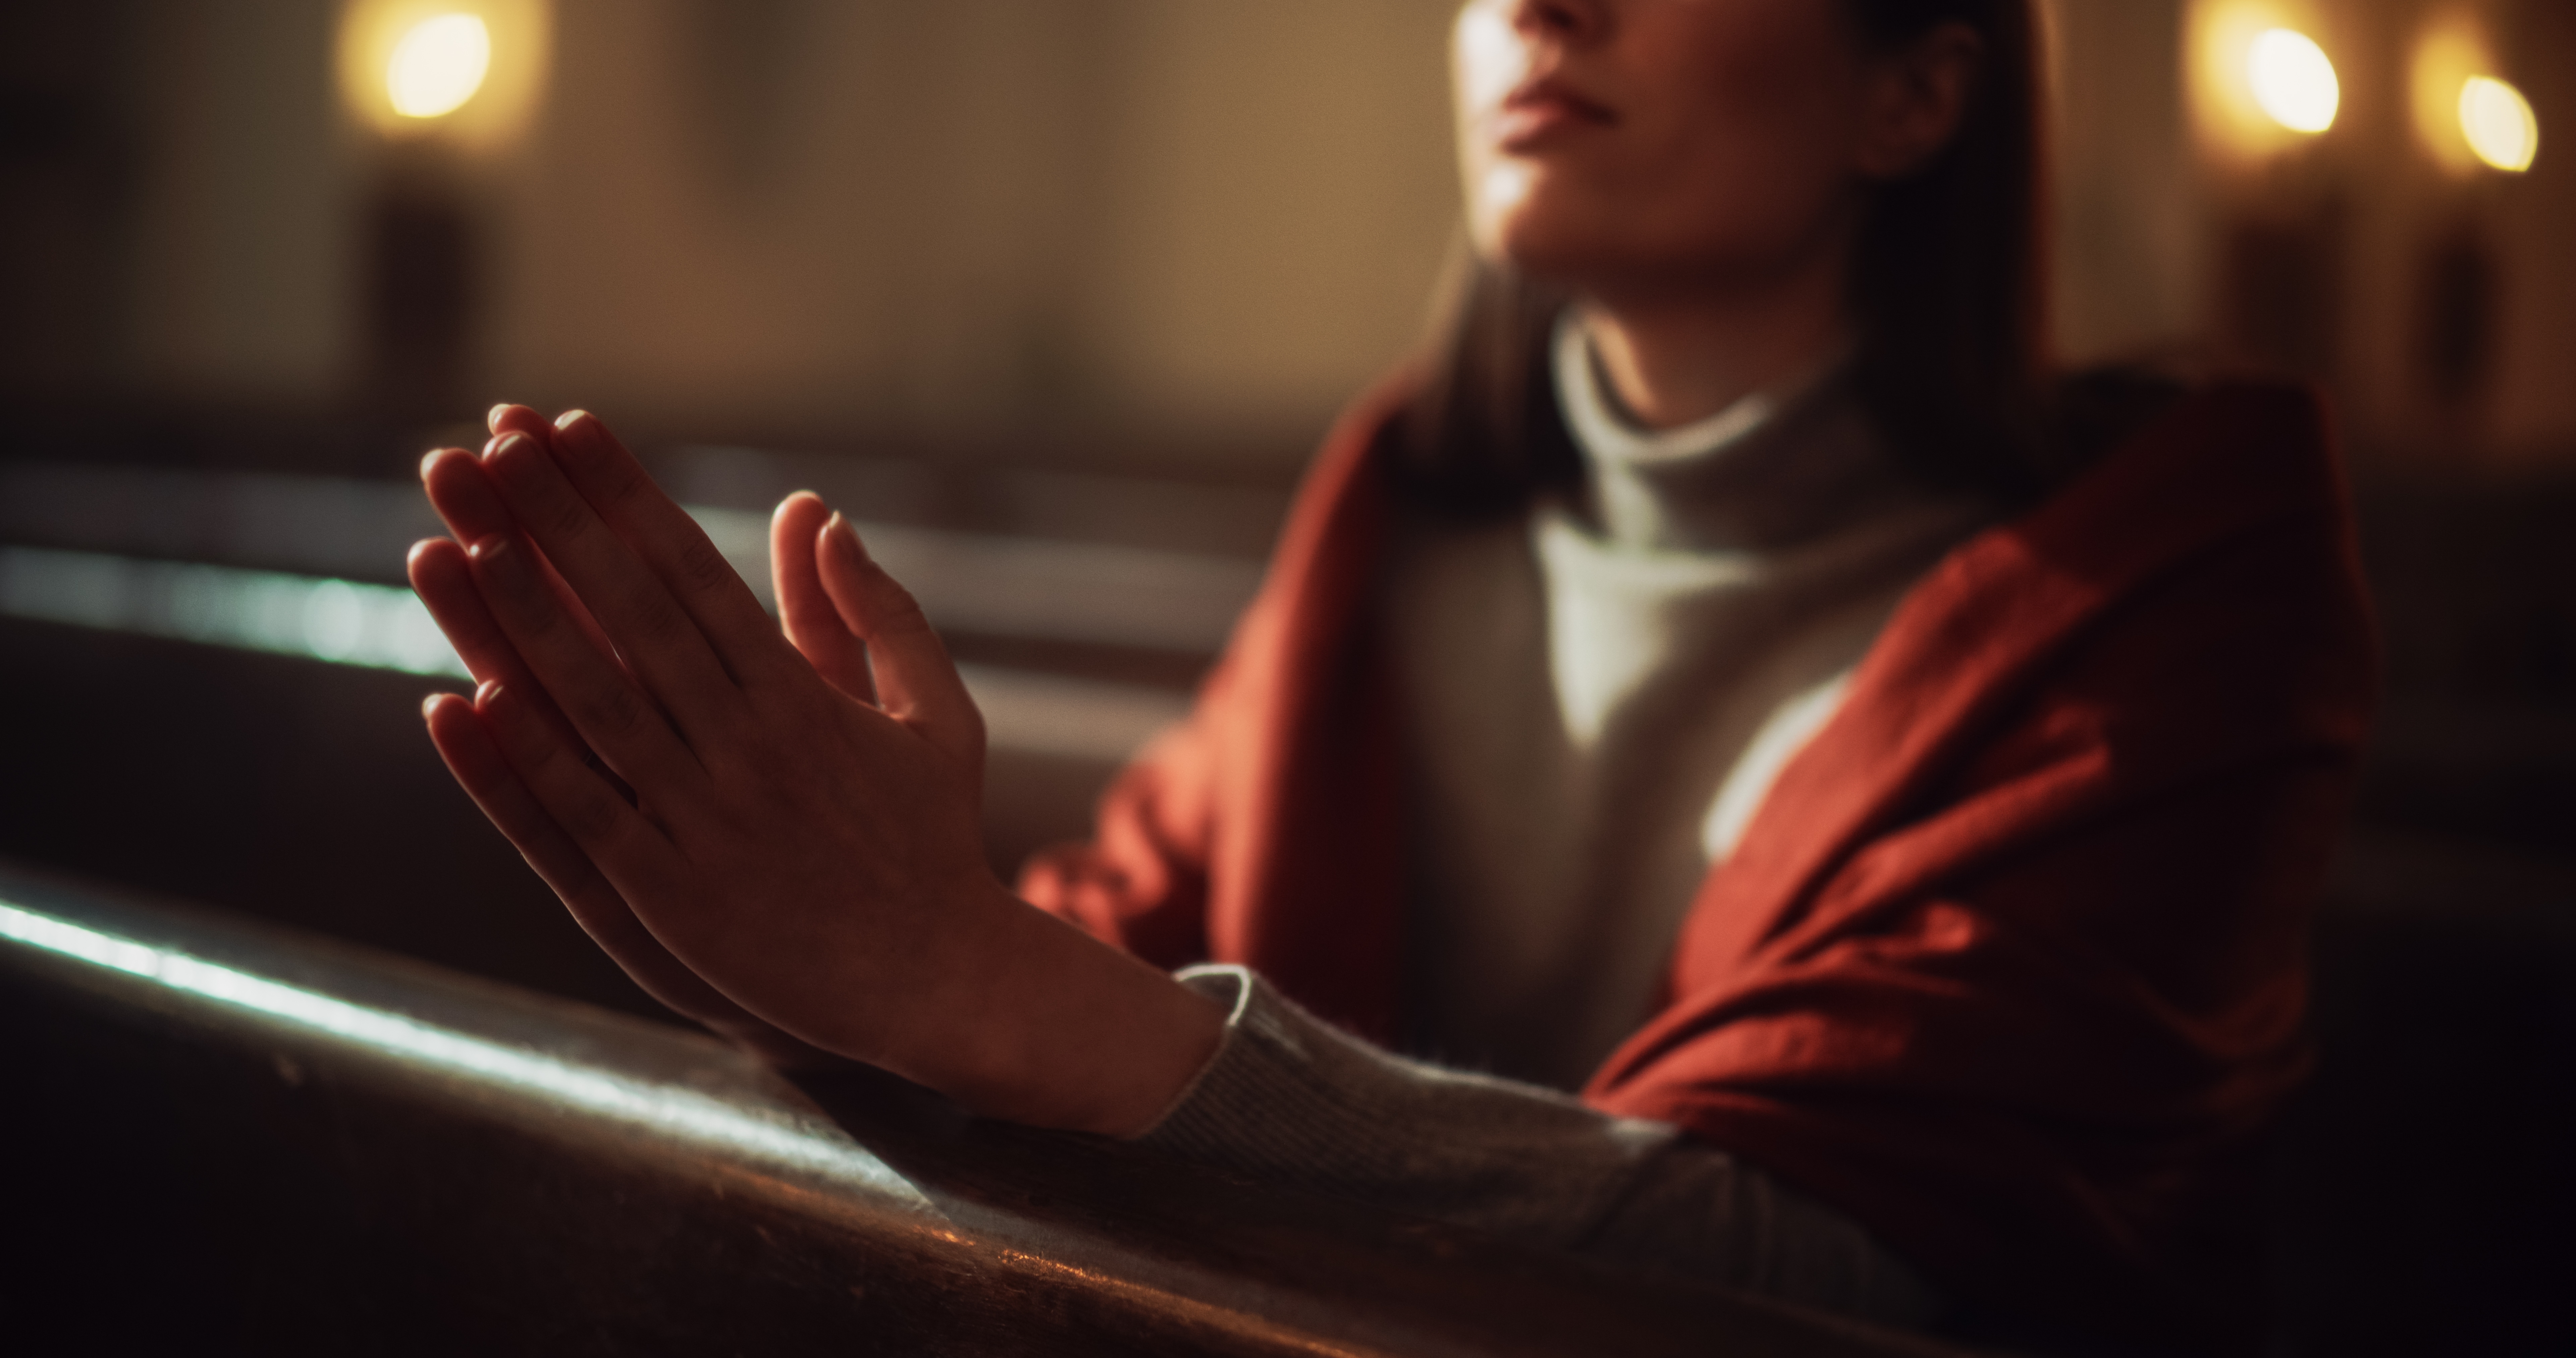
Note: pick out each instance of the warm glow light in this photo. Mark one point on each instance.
(438, 65)
(2293, 80)
(2258, 80)
(2499, 124)
(2451, 48)
(466, 74)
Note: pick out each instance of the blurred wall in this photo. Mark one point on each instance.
(178, 181)
(2130, 267)
(820, 213)
(806, 217)
(814, 219)
(2407, 217)
(2440, 301)
(243, 233)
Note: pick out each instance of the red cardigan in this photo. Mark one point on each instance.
(2010, 967)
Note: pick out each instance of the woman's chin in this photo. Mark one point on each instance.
(1555, 255)
(1559, 236)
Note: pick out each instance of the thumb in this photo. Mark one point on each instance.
(805, 610)
(916, 682)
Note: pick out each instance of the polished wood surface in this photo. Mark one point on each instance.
(229, 1137)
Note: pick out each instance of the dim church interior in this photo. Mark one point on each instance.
(1054, 295)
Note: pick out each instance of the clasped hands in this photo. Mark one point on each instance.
(774, 835)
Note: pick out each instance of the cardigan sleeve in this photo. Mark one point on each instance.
(1294, 1101)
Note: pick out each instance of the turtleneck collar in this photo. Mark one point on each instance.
(1773, 469)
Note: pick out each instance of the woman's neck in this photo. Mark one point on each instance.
(1675, 354)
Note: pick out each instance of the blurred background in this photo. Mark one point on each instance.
(1055, 296)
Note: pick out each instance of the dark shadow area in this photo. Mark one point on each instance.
(2423, 1193)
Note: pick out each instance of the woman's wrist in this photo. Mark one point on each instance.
(1036, 1021)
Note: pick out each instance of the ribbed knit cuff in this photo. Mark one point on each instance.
(1282, 1086)
(1290, 1098)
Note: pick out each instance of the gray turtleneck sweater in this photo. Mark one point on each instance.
(1599, 694)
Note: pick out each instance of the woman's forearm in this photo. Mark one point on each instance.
(1040, 1023)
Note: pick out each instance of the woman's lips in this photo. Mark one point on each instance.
(1542, 111)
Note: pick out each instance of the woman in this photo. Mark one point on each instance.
(1723, 679)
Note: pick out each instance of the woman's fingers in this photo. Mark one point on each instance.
(462, 495)
(509, 417)
(473, 510)
(657, 638)
(480, 768)
(915, 679)
(610, 712)
(668, 541)
(805, 611)
(627, 848)
(444, 582)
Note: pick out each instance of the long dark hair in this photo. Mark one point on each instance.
(1947, 293)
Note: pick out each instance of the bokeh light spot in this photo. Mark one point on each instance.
(2499, 124)
(2293, 80)
(438, 65)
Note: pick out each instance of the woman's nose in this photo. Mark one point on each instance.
(1567, 21)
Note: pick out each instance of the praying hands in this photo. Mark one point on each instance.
(775, 836)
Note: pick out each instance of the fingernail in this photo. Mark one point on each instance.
(485, 692)
(429, 704)
(427, 458)
(492, 417)
(841, 528)
(570, 418)
(490, 550)
(503, 444)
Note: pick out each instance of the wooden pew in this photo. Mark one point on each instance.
(225, 1136)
